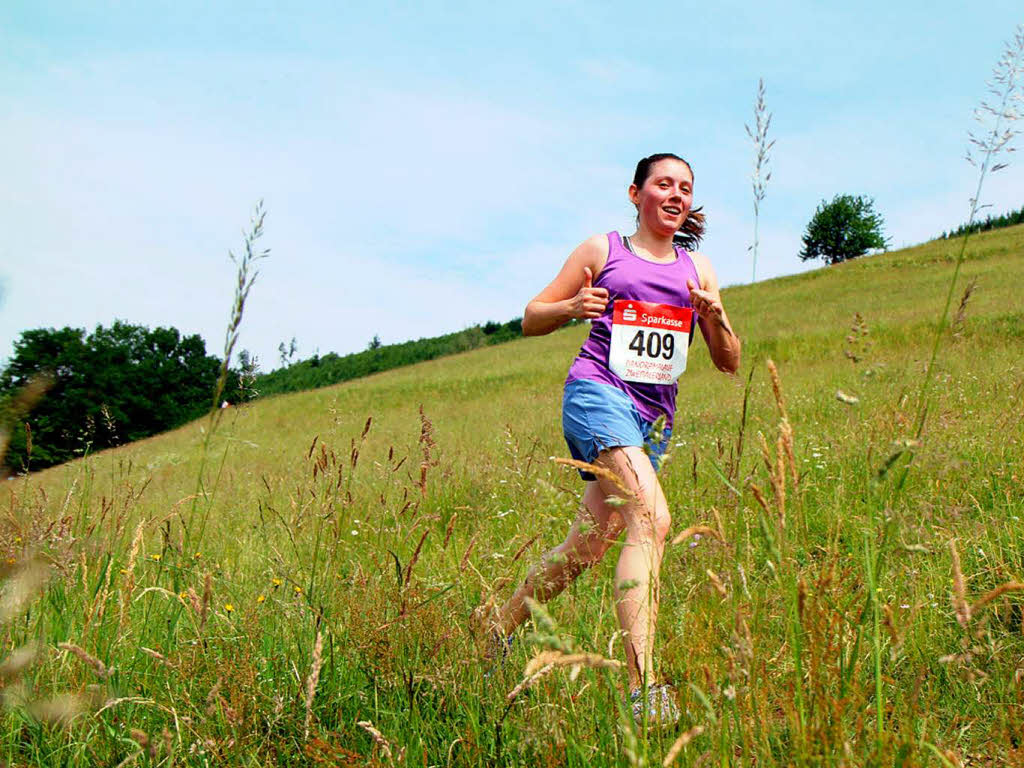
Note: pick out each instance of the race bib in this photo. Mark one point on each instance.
(649, 341)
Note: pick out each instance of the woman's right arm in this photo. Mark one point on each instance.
(571, 294)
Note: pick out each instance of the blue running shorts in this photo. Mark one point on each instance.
(598, 416)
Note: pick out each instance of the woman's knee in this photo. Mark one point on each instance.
(662, 524)
(650, 524)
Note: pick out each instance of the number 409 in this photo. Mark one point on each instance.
(655, 346)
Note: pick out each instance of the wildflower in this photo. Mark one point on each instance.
(354, 532)
(261, 598)
(197, 555)
(298, 589)
(229, 607)
(11, 561)
(155, 557)
(276, 582)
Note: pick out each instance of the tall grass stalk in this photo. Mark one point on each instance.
(986, 150)
(761, 175)
(245, 275)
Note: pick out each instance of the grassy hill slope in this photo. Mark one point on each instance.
(201, 568)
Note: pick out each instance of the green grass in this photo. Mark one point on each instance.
(835, 643)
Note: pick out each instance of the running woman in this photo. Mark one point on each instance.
(641, 294)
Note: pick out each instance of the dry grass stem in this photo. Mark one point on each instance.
(154, 654)
(129, 581)
(960, 605)
(680, 743)
(988, 597)
(59, 711)
(956, 327)
(17, 407)
(524, 547)
(773, 371)
(527, 681)
(449, 529)
(786, 433)
(761, 175)
(560, 659)
(701, 530)
(717, 583)
(101, 669)
(599, 471)
(21, 589)
(204, 607)
(17, 661)
(766, 454)
(464, 563)
(760, 498)
(314, 674)
(779, 479)
(378, 739)
(414, 558)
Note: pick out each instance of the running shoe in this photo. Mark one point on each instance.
(499, 647)
(662, 711)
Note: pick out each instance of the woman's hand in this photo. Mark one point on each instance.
(707, 304)
(723, 344)
(589, 302)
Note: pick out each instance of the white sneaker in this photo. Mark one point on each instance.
(662, 711)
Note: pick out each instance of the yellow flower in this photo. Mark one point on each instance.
(183, 595)
(11, 561)
(298, 590)
(197, 555)
(229, 607)
(261, 598)
(155, 557)
(276, 582)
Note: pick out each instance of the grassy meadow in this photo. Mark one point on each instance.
(295, 587)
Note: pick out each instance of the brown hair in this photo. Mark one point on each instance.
(692, 231)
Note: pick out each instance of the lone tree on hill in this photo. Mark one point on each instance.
(843, 229)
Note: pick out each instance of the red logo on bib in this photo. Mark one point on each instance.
(647, 314)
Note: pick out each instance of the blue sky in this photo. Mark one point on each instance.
(428, 166)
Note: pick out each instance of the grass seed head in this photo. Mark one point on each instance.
(960, 606)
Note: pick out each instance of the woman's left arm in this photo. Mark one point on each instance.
(723, 344)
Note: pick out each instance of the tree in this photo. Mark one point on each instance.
(115, 385)
(843, 229)
(287, 353)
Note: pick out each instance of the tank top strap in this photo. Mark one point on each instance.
(615, 247)
(687, 264)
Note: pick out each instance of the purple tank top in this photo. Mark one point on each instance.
(627, 276)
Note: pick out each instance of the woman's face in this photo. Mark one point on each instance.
(664, 200)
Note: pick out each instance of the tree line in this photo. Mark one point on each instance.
(322, 371)
(989, 222)
(126, 382)
(112, 386)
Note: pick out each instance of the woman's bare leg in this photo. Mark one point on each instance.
(637, 574)
(595, 529)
